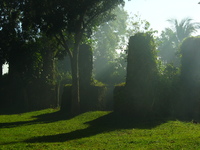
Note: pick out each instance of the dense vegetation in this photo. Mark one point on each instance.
(35, 35)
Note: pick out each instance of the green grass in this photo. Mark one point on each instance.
(47, 130)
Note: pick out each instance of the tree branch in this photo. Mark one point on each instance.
(63, 42)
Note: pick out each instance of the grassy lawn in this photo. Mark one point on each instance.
(46, 129)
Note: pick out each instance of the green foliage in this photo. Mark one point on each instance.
(168, 47)
(13, 35)
(121, 84)
(110, 48)
(169, 91)
(31, 83)
(135, 25)
(94, 130)
(97, 83)
(63, 69)
(184, 28)
(171, 72)
(73, 24)
(65, 77)
(108, 67)
(171, 38)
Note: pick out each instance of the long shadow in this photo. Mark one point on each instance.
(39, 119)
(6, 110)
(107, 123)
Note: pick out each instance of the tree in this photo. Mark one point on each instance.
(167, 48)
(14, 36)
(8, 24)
(110, 45)
(184, 28)
(171, 39)
(30, 55)
(70, 21)
(109, 37)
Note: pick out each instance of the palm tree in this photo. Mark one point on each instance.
(184, 28)
(171, 38)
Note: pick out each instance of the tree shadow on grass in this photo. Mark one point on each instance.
(104, 124)
(39, 119)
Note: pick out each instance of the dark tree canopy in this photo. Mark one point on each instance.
(69, 22)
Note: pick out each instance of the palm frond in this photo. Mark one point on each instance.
(184, 28)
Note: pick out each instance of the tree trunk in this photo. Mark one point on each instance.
(75, 107)
(12, 70)
(75, 101)
(1, 71)
(48, 66)
(48, 77)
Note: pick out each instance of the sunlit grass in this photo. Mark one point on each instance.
(93, 130)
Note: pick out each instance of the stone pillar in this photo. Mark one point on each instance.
(142, 74)
(85, 65)
(141, 61)
(188, 106)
